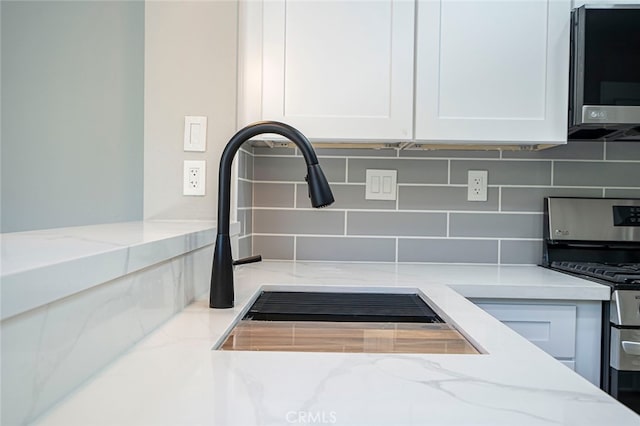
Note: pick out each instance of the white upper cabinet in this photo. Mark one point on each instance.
(493, 72)
(336, 70)
(488, 72)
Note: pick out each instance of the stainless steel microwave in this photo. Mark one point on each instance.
(604, 97)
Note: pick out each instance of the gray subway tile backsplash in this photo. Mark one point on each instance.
(520, 252)
(397, 223)
(592, 173)
(248, 218)
(245, 193)
(273, 194)
(288, 169)
(245, 223)
(258, 150)
(448, 153)
(523, 199)
(431, 221)
(294, 169)
(447, 250)
(244, 247)
(623, 151)
(346, 249)
(274, 247)
(409, 170)
(504, 172)
(506, 225)
(443, 198)
(571, 151)
(342, 152)
(245, 164)
(320, 222)
(622, 193)
(347, 196)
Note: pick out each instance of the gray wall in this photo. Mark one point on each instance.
(431, 221)
(72, 104)
(190, 69)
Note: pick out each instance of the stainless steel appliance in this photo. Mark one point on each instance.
(599, 239)
(604, 98)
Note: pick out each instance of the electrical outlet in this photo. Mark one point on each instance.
(477, 185)
(194, 177)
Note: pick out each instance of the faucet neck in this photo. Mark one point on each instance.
(222, 293)
(229, 153)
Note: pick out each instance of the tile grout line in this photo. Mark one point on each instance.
(346, 170)
(397, 244)
(311, 209)
(295, 247)
(295, 193)
(448, 223)
(408, 237)
(345, 222)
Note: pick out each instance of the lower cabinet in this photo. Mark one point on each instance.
(570, 331)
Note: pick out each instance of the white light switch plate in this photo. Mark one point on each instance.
(195, 133)
(381, 184)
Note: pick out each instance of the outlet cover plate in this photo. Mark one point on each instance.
(194, 177)
(477, 185)
(381, 184)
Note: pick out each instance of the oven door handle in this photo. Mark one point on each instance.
(632, 348)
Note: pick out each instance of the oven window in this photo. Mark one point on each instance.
(612, 57)
(625, 387)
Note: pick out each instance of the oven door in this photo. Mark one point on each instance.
(624, 380)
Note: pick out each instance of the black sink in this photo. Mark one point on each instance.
(341, 307)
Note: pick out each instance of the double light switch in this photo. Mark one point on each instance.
(381, 184)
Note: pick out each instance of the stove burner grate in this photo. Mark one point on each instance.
(624, 273)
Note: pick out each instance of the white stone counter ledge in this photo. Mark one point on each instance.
(39, 267)
(173, 377)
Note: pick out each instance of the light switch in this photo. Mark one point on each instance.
(195, 133)
(381, 184)
(375, 184)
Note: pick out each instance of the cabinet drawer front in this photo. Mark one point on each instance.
(550, 327)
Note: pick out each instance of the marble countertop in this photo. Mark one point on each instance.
(174, 377)
(42, 266)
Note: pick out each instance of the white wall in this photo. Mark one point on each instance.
(72, 104)
(190, 69)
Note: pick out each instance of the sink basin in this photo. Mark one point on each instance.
(341, 307)
(344, 322)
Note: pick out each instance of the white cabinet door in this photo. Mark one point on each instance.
(339, 69)
(567, 330)
(492, 71)
(550, 327)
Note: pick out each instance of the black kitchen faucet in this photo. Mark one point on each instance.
(221, 295)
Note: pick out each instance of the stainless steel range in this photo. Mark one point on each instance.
(599, 239)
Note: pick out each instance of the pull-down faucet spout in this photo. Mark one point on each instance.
(222, 294)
